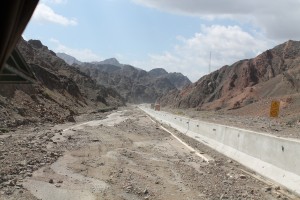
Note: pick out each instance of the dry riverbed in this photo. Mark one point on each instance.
(124, 155)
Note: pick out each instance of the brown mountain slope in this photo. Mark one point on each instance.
(61, 91)
(273, 74)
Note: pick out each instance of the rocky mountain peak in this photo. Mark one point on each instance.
(68, 59)
(110, 61)
(36, 43)
(288, 49)
(157, 72)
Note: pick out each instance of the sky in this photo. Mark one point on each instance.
(177, 35)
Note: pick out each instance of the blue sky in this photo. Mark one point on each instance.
(177, 35)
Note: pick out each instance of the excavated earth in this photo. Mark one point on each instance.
(122, 154)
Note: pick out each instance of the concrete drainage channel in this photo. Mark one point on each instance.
(272, 157)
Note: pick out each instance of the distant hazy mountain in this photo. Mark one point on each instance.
(157, 72)
(104, 68)
(68, 59)
(110, 61)
(135, 85)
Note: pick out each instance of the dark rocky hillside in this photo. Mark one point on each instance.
(61, 91)
(135, 85)
(274, 74)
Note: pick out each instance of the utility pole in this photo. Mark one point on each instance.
(209, 67)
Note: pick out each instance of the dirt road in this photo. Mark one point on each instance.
(124, 156)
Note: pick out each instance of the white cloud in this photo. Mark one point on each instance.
(84, 55)
(277, 18)
(44, 13)
(190, 56)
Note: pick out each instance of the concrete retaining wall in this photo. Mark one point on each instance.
(273, 157)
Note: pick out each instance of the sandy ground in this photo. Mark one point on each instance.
(124, 155)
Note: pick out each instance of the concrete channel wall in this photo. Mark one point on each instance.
(275, 158)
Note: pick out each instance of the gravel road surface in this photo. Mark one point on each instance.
(121, 155)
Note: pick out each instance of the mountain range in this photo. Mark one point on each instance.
(248, 85)
(135, 85)
(62, 90)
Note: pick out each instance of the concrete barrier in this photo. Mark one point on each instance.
(275, 158)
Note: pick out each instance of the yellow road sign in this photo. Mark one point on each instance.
(274, 111)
